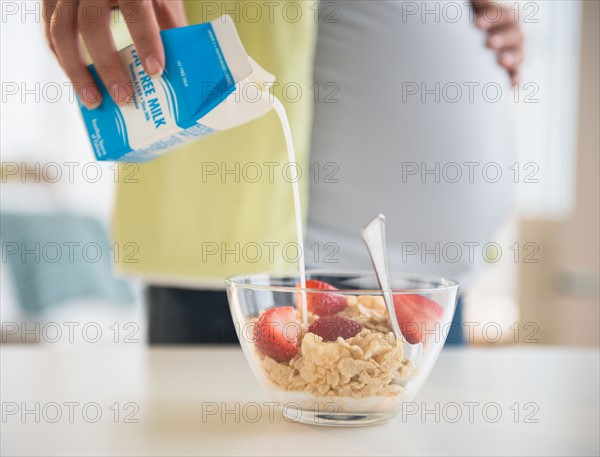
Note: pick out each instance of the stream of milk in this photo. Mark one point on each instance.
(287, 133)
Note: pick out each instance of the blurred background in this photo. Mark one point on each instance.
(58, 262)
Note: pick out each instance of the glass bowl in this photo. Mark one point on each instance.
(340, 372)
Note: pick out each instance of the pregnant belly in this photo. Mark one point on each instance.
(419, 127)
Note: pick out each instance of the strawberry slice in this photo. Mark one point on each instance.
(416, 314)
(276, 333)
(331, 327)
(322, 304)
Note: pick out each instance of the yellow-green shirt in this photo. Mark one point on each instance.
(199, 213)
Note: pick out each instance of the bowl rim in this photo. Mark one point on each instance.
(447, 284)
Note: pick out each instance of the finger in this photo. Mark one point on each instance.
(65, 41)
(495, 16)
(170, 14)
(510, 58)
(94, 26)
(488, 6)
(480, 4)
(515, 78)
(48, 7)
(505, 37)
(143, 26)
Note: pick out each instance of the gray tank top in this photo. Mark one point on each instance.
(414, 119)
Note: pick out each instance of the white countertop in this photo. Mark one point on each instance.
(548, 398)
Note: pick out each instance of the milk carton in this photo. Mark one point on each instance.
(209, 84)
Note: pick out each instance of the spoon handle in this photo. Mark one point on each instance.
(373, 234)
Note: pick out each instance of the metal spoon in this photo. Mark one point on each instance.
(373, 235)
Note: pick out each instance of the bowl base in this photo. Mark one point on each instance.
(310, 417)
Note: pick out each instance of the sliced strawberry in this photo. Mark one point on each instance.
(322, 304)
(416, 314)
(276, 333)
(331, 327)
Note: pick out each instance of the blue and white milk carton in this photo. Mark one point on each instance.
(209, 84)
